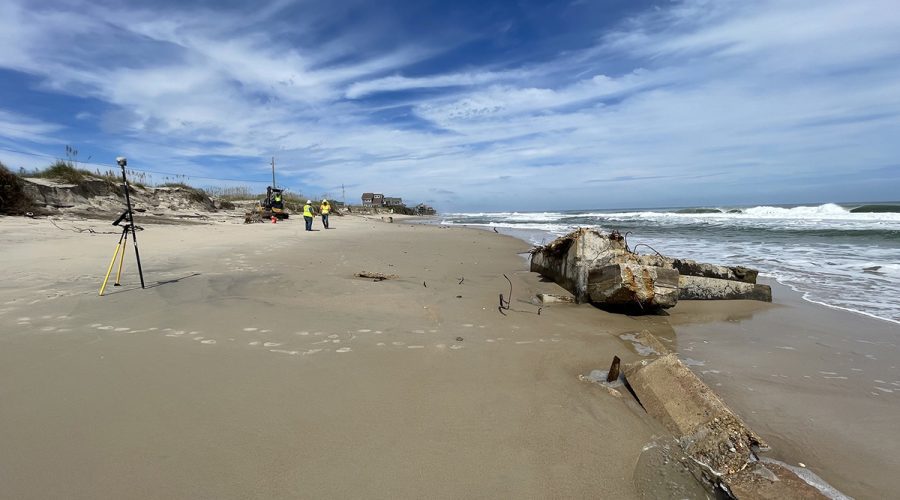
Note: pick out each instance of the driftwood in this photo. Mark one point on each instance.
(376, 276)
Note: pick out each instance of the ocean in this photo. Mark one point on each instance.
(831, 255)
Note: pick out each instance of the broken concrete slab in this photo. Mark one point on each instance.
(550, 298)
(567, 260)
(626, 285)
(708, 431)
(600, 268)
(701, 288)
(766, 480)
(646, 344)
(736, 273)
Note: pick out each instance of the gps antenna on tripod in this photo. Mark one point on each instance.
(128, 227)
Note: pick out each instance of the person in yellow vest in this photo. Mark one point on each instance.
(308, 214)
(325, 209)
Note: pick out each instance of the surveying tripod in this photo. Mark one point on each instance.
(128, 227)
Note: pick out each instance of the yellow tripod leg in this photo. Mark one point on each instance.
(111, 263)
(122, 260)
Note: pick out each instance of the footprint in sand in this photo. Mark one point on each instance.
(418, 331)
(364, 330)
(122, 329)
(208, 341)
(343, 349)
(250, 329)
(415, 347)
(456, 346)
(105, 327)
(48, 328)
(283, 351)
(312, 351)
(333, 336)
(304, 334)
(380, 344)
(271, 344)
(254, 343)
(468, 325)
(398, 343)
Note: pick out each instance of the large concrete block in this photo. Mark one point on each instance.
(708, 431)
(701, 288)
(734, 273)
(633, 285)
(567, 260)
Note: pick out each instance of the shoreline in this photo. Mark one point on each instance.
(221, 287)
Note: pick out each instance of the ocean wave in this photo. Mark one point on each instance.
(827, 253)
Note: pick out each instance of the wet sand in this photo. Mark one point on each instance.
(256, 365)
(821, 385)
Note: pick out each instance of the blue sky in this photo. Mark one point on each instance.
(469, 105)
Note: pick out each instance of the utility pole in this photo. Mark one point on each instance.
(343, 195)
(273, 172)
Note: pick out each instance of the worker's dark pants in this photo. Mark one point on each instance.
(325, 220)
(308, 223)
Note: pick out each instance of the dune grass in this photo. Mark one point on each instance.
(13, 199)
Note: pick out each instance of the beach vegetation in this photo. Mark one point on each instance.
(13, 199)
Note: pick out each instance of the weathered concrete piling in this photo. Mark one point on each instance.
(723, 448)
(600, 268)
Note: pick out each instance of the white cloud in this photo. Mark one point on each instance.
(715, 97)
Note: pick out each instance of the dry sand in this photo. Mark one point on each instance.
(256, 365)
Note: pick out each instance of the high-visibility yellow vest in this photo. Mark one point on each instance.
(307, 211)
(325, 208)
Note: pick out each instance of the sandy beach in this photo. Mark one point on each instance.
(256, 364)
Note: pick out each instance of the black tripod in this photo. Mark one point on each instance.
(128, 218)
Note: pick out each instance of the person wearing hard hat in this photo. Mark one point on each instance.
(325, 209)
(308, 214)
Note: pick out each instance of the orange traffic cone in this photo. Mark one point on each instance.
(274, 219)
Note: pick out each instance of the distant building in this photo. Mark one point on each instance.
(423, 209)
(380, 200)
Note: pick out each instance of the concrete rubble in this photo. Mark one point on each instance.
(724, 450)
(707, 430)
(600, 268)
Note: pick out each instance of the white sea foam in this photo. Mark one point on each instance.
(832, 256)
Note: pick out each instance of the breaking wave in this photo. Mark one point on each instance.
(830, 254)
